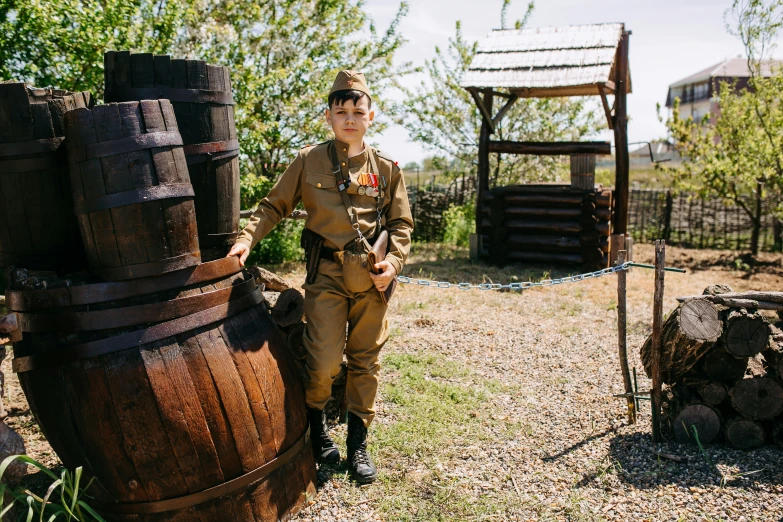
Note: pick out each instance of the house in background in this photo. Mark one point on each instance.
(698, 93)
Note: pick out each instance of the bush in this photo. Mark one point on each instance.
(459, 222)
(282, 243)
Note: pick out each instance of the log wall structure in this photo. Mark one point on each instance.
(552, 62)
(547, 223)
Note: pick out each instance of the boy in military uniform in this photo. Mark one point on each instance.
(350, 191)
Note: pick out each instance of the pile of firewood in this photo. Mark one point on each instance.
(286, 306)
(722, 357)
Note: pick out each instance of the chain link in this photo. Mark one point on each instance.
(514, 286)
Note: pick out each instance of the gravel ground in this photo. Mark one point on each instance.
(528, 429)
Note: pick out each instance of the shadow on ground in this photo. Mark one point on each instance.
(639, 465)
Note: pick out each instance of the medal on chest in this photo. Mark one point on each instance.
(368, 184)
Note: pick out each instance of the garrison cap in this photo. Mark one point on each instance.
(350, 81)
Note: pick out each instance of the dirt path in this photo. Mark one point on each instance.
(497, 406)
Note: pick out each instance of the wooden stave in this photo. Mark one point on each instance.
(215, 177)
(244, 340)
(37, 226)
(141, 239)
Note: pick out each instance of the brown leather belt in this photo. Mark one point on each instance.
(133, 315)
(124, 145)
(135, 339)
(152, 268)
(27, 300)
(222, 490)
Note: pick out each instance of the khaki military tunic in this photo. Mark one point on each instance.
(329, 305)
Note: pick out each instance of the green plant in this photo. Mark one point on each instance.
(459, 223)
(69, 505)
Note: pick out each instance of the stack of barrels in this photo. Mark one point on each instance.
(156, 369)
(547, 223)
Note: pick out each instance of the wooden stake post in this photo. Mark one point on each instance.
(622, 337)
(655, 393)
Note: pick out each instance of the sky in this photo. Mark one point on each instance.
(671, 39)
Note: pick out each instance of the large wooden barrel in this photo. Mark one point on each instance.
(131, 190)
(37, 226)
(196, 417)
(204, 107)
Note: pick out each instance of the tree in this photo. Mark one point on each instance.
(61, 43)
(737, 155)
(284, 55)
(442, 115)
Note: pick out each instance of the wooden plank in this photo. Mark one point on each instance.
(197, 74)
(93, 413)
(603, 91)
(101, 222)
(163, 75)
(562, 148)
(18, 231)
(174, 421)
(146, 441)
(42, 121)
(142, 70)
(233, 399)
(484, 108)
(122, 72)
(503, 110)
(214, 413)
(38, 214)
(126, 219)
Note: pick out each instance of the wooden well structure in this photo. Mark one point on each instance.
(574, 223)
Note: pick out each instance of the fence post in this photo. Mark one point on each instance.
(655, 356)
(667, 216)
(622, 338)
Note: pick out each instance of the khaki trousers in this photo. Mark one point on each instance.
(329, 306)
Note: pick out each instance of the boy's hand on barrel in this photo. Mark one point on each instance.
(385, 278)
(241, 250)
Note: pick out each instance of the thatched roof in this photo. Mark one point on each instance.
(548, 61)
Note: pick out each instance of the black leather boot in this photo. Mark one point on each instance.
(362, 468)
(324, 448)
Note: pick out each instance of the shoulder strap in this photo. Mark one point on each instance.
(381, 184)
(342, 186)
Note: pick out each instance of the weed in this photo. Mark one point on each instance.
(69, 505)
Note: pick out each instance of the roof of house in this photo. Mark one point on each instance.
(547, 61)
(729, 68)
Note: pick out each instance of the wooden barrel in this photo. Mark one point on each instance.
(37, 226)
(204, 107)
(131, 190)
(197, 417)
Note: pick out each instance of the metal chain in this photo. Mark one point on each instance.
(514, 286)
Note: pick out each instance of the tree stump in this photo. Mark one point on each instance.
(758, 398)
(681, 349)
(703, 417)
(289, 308)
(747, 334)
(720, 365)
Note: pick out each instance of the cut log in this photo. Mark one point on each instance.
(777, 433)
(270, 280)
(717, 289)
(720, 365)
(758, 398)
(747, 334)
(289, 308)
(736, 302)
(744, 433)
(704, 418)
(712, 392)
(679, 351)
(700, 319)
(773, 361)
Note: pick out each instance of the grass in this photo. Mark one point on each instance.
(438, 407)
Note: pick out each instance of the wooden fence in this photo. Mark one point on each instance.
(687, 220)
(428, 203)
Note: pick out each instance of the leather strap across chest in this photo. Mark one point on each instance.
(338, 174)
